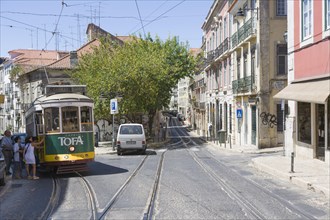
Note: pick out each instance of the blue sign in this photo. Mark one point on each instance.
(239, 113)
(114, 106)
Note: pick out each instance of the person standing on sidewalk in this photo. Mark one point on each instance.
(29, 156)
(7, 150)
(17, 162)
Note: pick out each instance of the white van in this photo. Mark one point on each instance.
(131, 137)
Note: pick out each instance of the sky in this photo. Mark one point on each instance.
(62, 24)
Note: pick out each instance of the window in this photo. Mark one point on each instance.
(253, 61)
(216, 38)
(220, 75)
(220, 33)
(86, 118)
(238, 68)
(281, 59)
(245, 65)
(52, 123)
(306, 19)
(304, 122)
(281, 8)
(225, 73)
(225, 28)
(229, 73)
(327, 14)
(70, 119)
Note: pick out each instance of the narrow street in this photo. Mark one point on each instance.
(185, 179)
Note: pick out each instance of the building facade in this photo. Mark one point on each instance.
(245, 65)
(22, 60)
(308, 122)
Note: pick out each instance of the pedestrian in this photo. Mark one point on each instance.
(7, 150)
(17, 173)
(29, 156)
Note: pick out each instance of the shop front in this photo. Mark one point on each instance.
(312, 120)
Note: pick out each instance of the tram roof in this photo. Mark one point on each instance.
(59, 100)
(63, 97)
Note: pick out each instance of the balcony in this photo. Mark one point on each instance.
(244, 32)
(242, 85)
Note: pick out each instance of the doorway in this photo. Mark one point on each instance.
(254, 124)
(320, 132)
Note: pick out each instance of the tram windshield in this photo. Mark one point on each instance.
(70, 122)
(71, 119)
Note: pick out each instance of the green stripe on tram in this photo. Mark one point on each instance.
(60, 143)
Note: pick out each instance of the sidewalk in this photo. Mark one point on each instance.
(311, 174)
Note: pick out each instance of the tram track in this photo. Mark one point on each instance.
(235, 194)
(54, 199)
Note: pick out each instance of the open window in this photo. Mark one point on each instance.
(86, 118)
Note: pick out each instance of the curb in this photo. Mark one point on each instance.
(290, 177)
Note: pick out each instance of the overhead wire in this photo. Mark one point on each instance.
(56, 25)
(36, 27)
(160, 15)
(137, 6)
(70, 16)
(149, 15)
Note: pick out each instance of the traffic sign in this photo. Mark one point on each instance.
(239, 113)
(114, 106)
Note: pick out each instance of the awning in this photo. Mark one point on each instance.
(312, 91)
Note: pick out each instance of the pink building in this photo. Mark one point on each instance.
(308, 122)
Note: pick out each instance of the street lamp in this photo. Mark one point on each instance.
(241, 12)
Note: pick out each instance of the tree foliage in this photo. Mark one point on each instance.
(143, 72)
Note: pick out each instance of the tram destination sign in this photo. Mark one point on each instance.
(57, 89)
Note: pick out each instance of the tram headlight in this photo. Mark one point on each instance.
(71, 148)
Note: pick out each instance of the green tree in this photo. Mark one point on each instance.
(143, 72)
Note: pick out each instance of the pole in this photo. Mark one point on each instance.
(113, 131)
(292, 162)
(283, 114)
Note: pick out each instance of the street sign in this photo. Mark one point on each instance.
(239, 113)
(114, 106)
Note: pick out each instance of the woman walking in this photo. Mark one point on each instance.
(30, 157)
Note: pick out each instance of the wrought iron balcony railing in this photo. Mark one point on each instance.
(242, 85)
(244, 32)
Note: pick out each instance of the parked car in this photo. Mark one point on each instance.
(2, 171)
(131, 137)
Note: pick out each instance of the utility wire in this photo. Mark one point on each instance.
(70, 16)
(58, 20)
(29, 25)
(137, 6)
(148, 15)
(160, 15)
